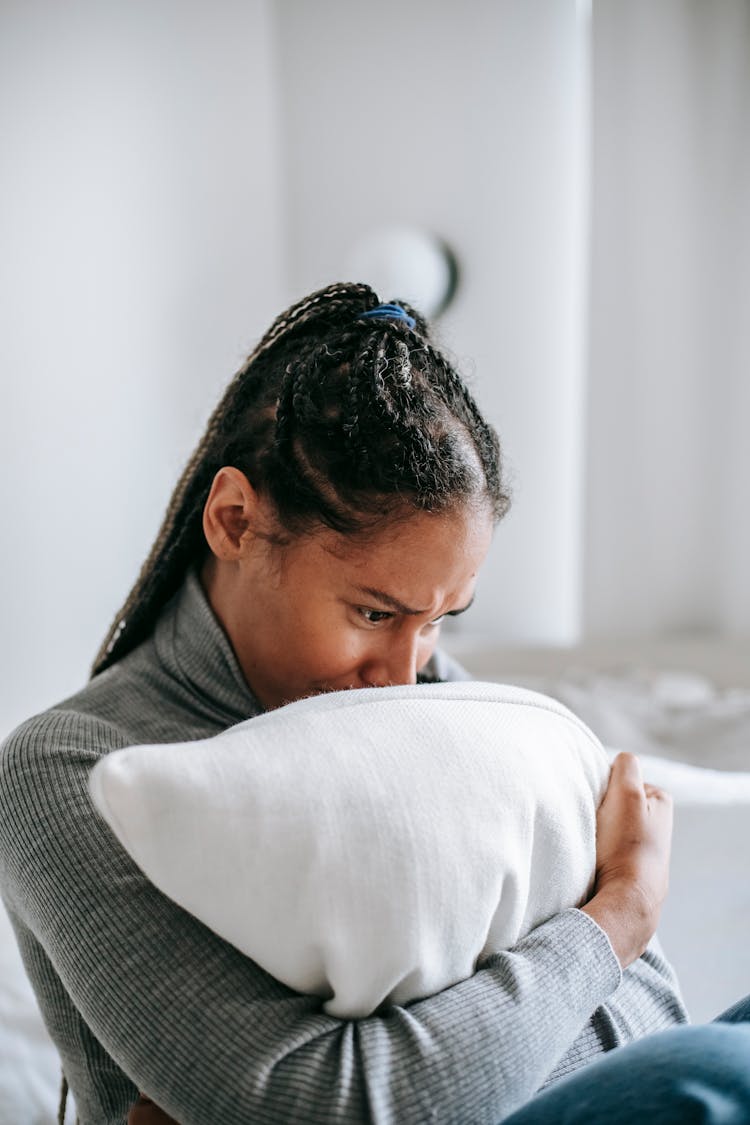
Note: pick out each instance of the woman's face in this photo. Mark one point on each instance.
(326, 614)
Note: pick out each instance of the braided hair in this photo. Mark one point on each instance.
(341, 421)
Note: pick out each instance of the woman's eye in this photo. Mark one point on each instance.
(374, 616)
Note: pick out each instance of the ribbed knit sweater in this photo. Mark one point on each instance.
(139, 996)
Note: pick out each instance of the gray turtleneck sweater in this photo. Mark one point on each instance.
(139, 995)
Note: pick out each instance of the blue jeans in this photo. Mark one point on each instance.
(683, 1076)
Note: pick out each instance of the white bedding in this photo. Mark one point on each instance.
(677, 715)
(29, 1065)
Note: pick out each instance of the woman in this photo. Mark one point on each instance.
(338, 507)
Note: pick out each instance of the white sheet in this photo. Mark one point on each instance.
(29, 1063)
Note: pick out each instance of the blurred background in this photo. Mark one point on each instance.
(175, 173)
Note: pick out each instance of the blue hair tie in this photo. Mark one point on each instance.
(389, 312)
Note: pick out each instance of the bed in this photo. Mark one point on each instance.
(684, 705)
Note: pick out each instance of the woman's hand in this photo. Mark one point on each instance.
(633, 842)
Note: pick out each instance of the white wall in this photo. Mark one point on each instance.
(668, 471)
(141, 237)
(468, 120)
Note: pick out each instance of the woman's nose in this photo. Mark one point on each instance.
(394, 663)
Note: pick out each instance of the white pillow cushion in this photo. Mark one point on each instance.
(369, 845)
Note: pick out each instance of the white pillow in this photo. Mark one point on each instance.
(369, 845)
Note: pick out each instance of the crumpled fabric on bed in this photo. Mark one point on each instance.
(669, 714)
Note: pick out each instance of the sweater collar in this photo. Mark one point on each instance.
(193, 647)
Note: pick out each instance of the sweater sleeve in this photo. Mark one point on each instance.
(201, 1029)
(443, 668)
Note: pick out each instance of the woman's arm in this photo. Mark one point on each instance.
(210, 1036)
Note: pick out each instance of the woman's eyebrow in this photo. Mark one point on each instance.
(399, 607)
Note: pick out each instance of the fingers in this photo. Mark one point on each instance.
(653, 792)
(626, 773)
(633, 839)
(626, 770)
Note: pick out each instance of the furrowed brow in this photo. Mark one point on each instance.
(399, 607)
(389, 601)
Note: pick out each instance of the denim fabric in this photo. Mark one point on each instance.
(678, 1077)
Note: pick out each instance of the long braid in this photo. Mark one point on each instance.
(339, 419)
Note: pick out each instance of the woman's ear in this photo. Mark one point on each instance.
(231, 510)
